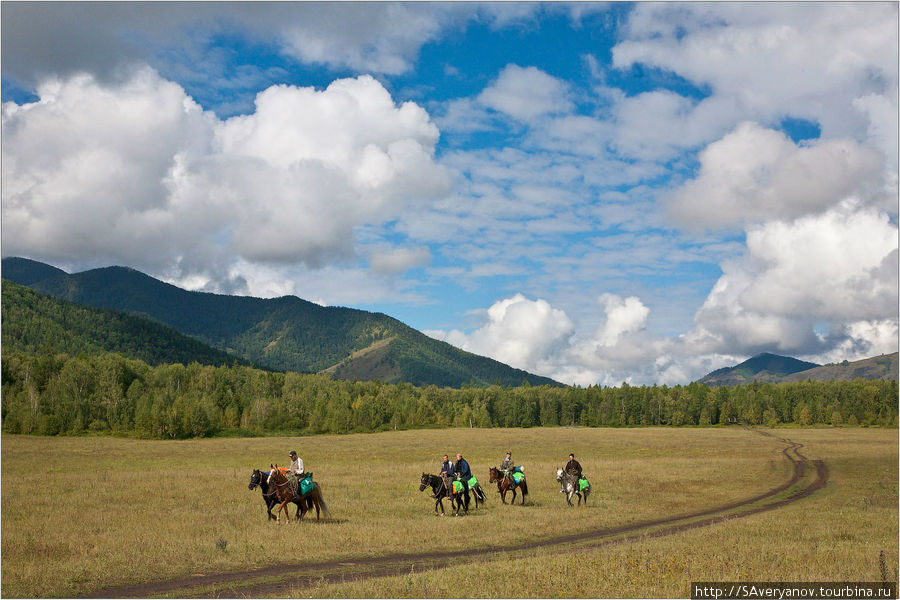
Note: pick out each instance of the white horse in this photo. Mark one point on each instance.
(569, 484)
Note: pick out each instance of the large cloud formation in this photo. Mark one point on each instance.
(817, 276)
(137, 173)
(754, 174)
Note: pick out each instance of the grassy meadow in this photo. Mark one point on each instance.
(80, 514)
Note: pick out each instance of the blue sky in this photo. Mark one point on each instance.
(594, 192)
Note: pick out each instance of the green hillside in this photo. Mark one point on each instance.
(771, 368)
(286, 334)
(876, 367)
(33, 321)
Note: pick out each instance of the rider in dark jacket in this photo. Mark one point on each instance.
(462, 468)
(573, 467)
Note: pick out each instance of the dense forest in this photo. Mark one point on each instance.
(52, 393)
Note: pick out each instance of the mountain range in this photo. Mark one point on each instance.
(285, 334)
(771, 368)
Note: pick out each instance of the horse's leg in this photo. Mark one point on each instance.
(303, 509)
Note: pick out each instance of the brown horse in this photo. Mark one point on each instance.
(284, 492)
(504, 485)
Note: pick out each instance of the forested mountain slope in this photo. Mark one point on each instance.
(288, 333)
(33, 322)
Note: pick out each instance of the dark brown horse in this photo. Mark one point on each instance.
(284, 492)
(260, 479)
(440, 491)
(504, 485)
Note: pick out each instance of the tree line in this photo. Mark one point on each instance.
(50, 393)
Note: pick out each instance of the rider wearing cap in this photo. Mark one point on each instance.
(296, 464)
(296, 470)
(507, 466)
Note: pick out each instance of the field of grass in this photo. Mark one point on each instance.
(81, 514)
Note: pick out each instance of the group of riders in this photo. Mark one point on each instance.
(460, 470)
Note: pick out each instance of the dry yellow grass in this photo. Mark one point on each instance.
(81, 514)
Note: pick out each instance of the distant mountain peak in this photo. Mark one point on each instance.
(765, 366)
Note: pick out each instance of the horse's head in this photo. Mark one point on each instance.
(559, 474)
(255, 479)
(494, 475)
(426, 481)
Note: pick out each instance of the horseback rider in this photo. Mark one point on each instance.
(462, 468)
(296, 471)
(573, 467)
(507, 467)
(448, 470)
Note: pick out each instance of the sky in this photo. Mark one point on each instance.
(595, 192)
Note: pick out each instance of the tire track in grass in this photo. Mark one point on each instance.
(280, 579)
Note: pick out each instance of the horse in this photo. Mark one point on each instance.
(268, 493)
(285, 494)
(440, 491)
(478, 494)
(570, 487)
(504, 485)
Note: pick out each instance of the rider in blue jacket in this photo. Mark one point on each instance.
(462, 468)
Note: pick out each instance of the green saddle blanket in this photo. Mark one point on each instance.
(307, 485)
(473, 482)
(583, 483)
(518, 476)
(457, 487)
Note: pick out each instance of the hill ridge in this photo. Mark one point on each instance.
(772, 368)
(307, 337)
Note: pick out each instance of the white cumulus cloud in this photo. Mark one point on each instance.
(136, 173)
(517, 331)
(525, 93)
(837, 268)
(754, 174)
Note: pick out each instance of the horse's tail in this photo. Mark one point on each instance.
(524, 486)
(322, 500)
